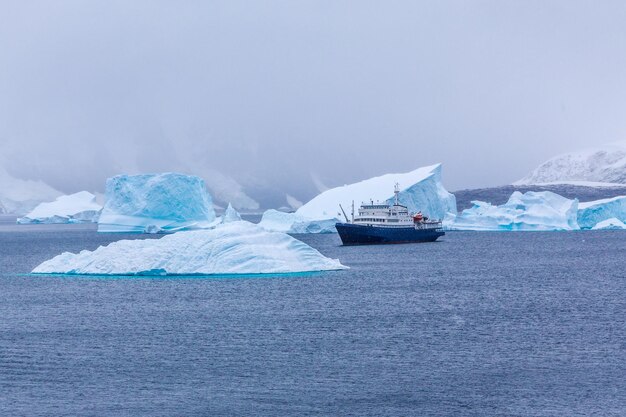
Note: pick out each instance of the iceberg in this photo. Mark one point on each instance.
(230, 215)
(610, 224)
(421, 190)
(279, 221)
(155, 203)
(593, 212)
(529, 211)
(238, 247)
(79, 207)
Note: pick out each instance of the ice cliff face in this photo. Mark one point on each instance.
(593, 212)
(422, 190)
(603, 164)
(19, 196)
(80, 207)
(232, 248)
(529, 211)
(155, 203)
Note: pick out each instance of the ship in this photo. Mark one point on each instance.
(382, 223)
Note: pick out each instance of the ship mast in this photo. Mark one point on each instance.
(396, 191)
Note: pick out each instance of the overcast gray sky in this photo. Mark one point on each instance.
(275, 93)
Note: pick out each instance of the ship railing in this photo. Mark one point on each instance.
(427, 225)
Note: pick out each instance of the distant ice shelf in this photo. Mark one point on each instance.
(237, 247)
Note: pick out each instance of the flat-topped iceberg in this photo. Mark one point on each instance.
(155, 203)
(421, 190)
(610, 224)
(79, 207)
(236, 247)
(593, 212)
(530, 211)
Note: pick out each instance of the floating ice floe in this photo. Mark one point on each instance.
(156, 203)
(610, 224)
(236, 247)
(79, 207)
(421, 190)
(593, 212)
(529, 211)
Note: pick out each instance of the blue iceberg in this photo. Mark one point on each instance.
(529, 211)
(594, 212)
(156, 203)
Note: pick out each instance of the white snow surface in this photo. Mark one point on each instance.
(530, 211)
(610, 224)
(79, 207)
(18, 196)
(592, 213)
(152, 203)
(279, 221)
(421, 190)
(230, 248)
(603, 164)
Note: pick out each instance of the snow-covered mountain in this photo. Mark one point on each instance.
(18, 196)
(596, 166)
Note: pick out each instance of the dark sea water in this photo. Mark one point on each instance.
(478, 324)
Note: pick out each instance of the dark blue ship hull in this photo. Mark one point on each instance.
(356, 234)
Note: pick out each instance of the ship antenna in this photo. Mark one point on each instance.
(352, 211)
(396, 191)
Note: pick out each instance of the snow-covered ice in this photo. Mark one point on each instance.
(530, 211)
(294, 223)
(155, 203)
(593, 212)
(79, 207)
(601, 164)
(610, 224)
(421, 190)
(231, 248)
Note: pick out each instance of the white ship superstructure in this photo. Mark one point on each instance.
(385, 215)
